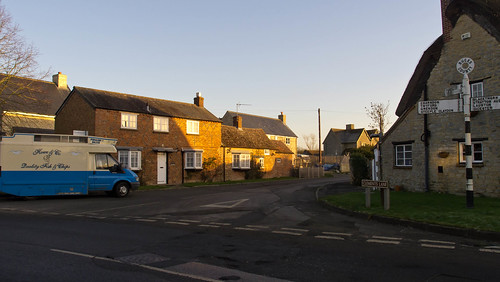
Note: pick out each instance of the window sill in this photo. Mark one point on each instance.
(131, 129)
(473, 165)
(402, 167)
(158, 131)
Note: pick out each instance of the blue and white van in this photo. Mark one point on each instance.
(49, 164)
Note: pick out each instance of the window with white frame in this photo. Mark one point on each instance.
(130, 159)
(477, 152)
(287, 140)
(160, 124)
(403, 155)
(262, 163)
(129, 121)
(267, 152)
(476, 89)
(193, 127)
(241, 161)
(193, 160)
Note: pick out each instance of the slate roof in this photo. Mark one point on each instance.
(250, 138)
(485, 13)
(108, 100)
(30, 95)
(346, 136)
(271, 126)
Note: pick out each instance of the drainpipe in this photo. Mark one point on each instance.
(425, 137)
(223, 164)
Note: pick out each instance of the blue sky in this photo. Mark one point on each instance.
(276, 55)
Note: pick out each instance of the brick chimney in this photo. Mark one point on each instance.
(198, 100)
(349, 126)
(60, 80)
(282, 117)
(238, 122)
(445, 22)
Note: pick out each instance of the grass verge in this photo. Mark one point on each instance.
(434, 208)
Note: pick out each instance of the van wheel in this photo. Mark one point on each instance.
(121, 189)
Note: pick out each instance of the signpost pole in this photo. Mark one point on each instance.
(468, 143)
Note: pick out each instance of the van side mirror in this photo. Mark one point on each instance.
(116, 168)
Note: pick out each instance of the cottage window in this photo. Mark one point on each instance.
(160, 124)
(476, 89)
(403, 155)
(267, 152)
(477, 152)
(262, 163)
(241, 161)
(130, 159)
(193, 160)
(129, 121)
(193, 127)
(287, 140)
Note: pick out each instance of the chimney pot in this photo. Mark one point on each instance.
(349, 126)
(198, 100)
(60, 80)
(282, 117)
(238, 122)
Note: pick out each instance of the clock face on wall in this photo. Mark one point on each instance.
(465, 65)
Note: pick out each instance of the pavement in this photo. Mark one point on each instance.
(344, 187)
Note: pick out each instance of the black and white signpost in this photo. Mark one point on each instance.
(465, 66)
(465, 104)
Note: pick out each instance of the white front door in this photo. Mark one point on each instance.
(162, 168)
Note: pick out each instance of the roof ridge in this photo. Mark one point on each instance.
(253, 115)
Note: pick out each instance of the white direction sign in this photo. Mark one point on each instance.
(440, 106)
(485, 103)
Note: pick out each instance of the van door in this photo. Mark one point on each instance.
(162, 168)
(104, 174)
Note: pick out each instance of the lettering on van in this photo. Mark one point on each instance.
(49, 166)
(47, 154)
(46, 165)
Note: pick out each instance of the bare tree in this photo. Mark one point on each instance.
(17, 58)
(310, 141)
(377, 112)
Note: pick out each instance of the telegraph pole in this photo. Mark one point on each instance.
(319, 142)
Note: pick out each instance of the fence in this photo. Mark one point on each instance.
(311, 172)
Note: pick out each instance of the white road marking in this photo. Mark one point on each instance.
(437, 242)
(329, 237)
(226, 205)
(245, 228)
(122, 207)
(258, 226)
(337, 234)
(382, 241)
(387, 238)
(145, 220)
(189, 220)
(220, 223)
(287, 233)
(438, 246)
(294, 229)
(209, 225)
(491, 249)
(177, 222)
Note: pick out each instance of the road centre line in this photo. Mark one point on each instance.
(382, 241)
(294, 229)
(245, 228)
(491, 249)
(337, 234)
(387, 238)
(145, 220)
(196, 277)
(329, 237)
(177, 222)
(220, 223)
(438, 246)
(258, 226)
(287, 233)
(209, 225)
(437, 242)
(189, 220)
